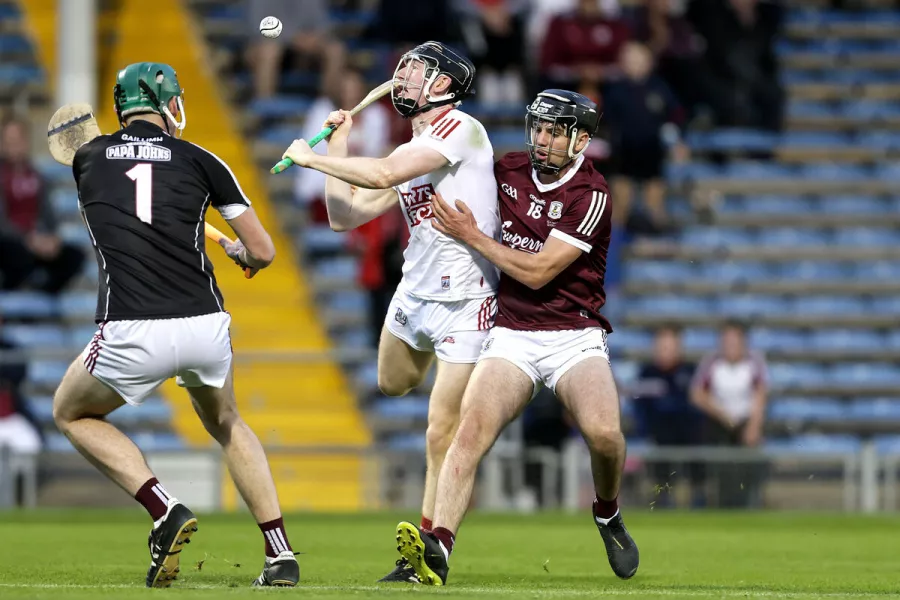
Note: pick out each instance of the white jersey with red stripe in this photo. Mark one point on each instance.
(437, 267)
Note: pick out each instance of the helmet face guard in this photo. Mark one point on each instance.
(559, 126)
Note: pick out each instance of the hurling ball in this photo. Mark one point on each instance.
(270, 27)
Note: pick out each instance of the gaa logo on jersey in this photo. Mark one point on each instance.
(510, 191)
(445, 282)
(555, 211)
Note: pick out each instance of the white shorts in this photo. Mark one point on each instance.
(545, 356)
(135, 357)
(454, 331)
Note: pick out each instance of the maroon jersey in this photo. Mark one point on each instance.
(576, 210)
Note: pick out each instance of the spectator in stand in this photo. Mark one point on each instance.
(308, 35)
(18, 429)
(581, 48)
(643, 117)
(730, 387)
(665, 413)
(31, 252)
(678, 50)
(740, 55)
(494, 33)
(380, 244)
(370, 137)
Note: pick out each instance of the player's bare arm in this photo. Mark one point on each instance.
(401, 166)
(254, 247)
(349, 207)
(533, 270)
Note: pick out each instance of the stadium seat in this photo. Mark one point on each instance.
(827, 305)
(658, 271)
(866, 236)
(78, 305)
(715, 237)
(152, 410)
(407, 442)
(344, 268)
(349, 302)
(75, 233)
(792, 236)
(777, 204)
(749, 305)
(36, 336)
(892, 339)
(887, 444)
(833, 172)
(889, 171)
(865, 374)
(672, 305)
(877, 409)
(766, 339)
(814, 139)
(847, 339)
(366, 376)
(27, 305)
(14, 44)
(20, 75)
(886, 305)
(733, 271)
(813, 270)
(879, 139)
(869, 110)
(796, 374)
(882, 270)
(280, 135)
(758, 170)
(855, 204)
(809, 109)
(624, 339)
(625, 371)
(815, 443)
(47, 373)
(700, 340)
(732, 140)
(65, 202)
(320, 239)
(807, 409)
(408, 407)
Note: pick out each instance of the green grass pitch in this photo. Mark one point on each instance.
(102, 554)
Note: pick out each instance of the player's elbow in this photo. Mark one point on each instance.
(539, 276)
(263, 253)
(384, 176)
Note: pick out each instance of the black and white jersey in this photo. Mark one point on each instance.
(143, 196)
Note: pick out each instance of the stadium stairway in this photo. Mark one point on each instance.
(291, 403)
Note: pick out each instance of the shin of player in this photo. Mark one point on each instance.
(549, 330)
(143, 194)
(445, 303)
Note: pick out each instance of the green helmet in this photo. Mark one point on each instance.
(147, 88)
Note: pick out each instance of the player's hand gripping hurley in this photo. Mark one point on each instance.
(73, 126)
(376, 94)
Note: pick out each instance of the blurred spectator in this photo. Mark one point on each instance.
(18, 429)
(740, 53)
(665, 413)
(30, 250)
(643, 117)
(493, 31)
(308, 35)
(678, 50)
(581, 48)
(380, 244)
(730, 387)
(404, 24)
(371, 131)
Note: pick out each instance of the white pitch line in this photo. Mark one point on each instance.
(553, 592)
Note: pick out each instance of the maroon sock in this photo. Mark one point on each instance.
(154, 497)
(276, 537)
(606, 509)
(446, 537)
(426, 523)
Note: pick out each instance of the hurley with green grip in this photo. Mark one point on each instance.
(379, 92)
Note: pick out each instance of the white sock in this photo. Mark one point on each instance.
(606, 521)
(444, 550)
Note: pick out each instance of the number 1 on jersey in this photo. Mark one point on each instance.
(142, 176)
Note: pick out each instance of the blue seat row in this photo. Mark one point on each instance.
(714, 237)
(746, 305)
(751, 271)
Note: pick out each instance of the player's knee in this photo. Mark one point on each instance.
(439, 434)
(394, 384)
(604, 439)
(476, 433)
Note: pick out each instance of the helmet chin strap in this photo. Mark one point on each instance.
(179, 125)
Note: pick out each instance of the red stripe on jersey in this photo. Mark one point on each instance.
(442, 115)
(449, 131)
(442, 127)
